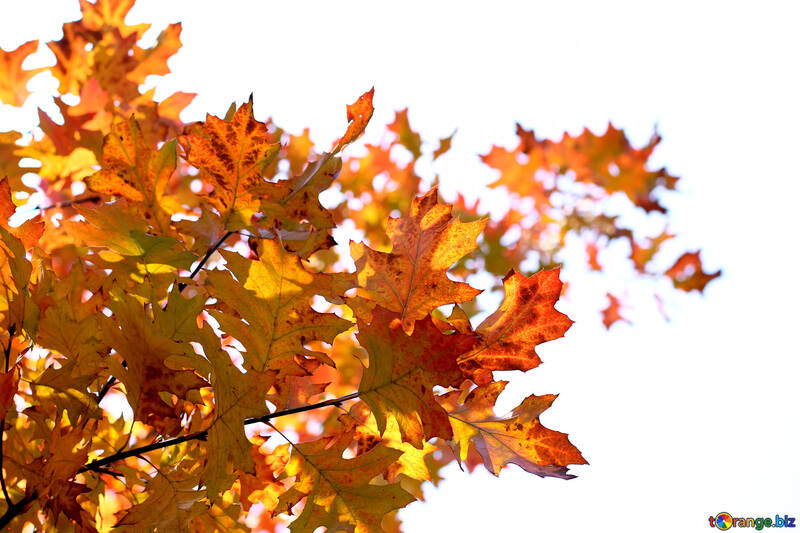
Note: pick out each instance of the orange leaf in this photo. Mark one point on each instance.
(358, 115)
(404, 369)
(14, 80)
(132, 167)
(444, 146)
(233, 154)
(612, 313)
(520, 438)
(405, 135)
(688, 275)
(526, 318)
(412, 279)
(106, 14)
(153, 61)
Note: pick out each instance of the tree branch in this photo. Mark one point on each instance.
(98, 464)
(16, 509)
(205, 258)
(65, 204)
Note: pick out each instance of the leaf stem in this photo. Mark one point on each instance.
(203, 435)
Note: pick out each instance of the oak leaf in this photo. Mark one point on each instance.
(612, 313)
(233, 153)
(131, 166)
(518, 438)
(687, 273)
(409, 138)
(358, 115)
(338, 491)
(172, 502)
(526, 318)
(13, 79)
(273, 295)
(237, 396)
(147, 375)
(402, 371)
(412, 279)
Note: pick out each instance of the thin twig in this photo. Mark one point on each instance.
(7, 352)
(205, 258)
(68, 203)
(203, 435)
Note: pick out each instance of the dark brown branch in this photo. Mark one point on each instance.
(69, 203)
(203, 435)
(326, 403)
(205, 258)
(16, 509)
(7, 352)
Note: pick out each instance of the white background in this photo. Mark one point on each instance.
(679, 420)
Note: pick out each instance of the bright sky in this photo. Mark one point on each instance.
(679, 420)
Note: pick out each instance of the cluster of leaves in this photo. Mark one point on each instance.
(188, 273)
(555, 191)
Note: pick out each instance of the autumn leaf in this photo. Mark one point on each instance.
(273, 295)
(526, 318)
(30, 231)
(412, 279)
(8, 388)
(146, 353)
(405, 135)
(404, 369)
(54, 472)
(233, 154)
(105, 14)
(358, 115)
(153, 61)
(518, 438)
(237, 396)
(643, 253)
(133, 169)
(172, 501)
(13, 80)
(611, 314)
(687, 273)
(413, 461)
(15, 271)
(444, 146)
(338, 492)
